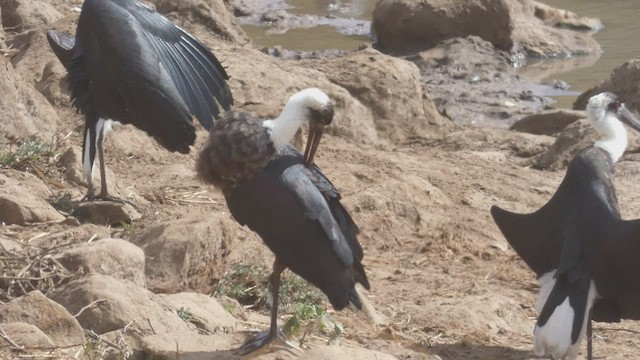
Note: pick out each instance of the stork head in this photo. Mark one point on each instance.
(320, 111)
(311, 105)
(606, 113)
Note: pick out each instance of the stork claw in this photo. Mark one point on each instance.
(104, 196)
(264, 343)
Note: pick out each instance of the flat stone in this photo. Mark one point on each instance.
(114, 257)
(48, 316)
(171, 346)
(106, 212)
(22, 199)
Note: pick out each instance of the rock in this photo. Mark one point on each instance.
(405, 25)
(381, 82)
(22, 15)
(23, 111)
(547, 122)
(106, 212)
(26, 335)
(53, 84)
(564, 18)
(125, 302)
(206, 313)
(411, 25)
(211, 17)
(22, 199)
(114, 257)
(51, 318)
(187, 254)
(624, 81)
(71, 161)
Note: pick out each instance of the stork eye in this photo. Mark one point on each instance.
(615, 105)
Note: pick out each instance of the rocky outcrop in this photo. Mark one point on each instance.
(262, 85)
(624, 81)
(23, 111)
(23, 199)
(51, 318)
(511, 25)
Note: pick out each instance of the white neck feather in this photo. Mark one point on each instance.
(613, 136)
(284, 127)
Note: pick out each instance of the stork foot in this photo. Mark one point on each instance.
(264, 342)
(106, 197)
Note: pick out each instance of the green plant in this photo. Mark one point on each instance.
(185, 313)
(29, 150)
(309, 319)
(248, 285)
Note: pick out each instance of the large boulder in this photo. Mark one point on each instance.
(410, 25)
(23, 111)
(547, 122)
(187, 254)
(51, 318)
(114, 257)
(391, 88)
(23, 199)
(624, 81)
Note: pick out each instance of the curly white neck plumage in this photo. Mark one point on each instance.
(613, 136)
(297, 110)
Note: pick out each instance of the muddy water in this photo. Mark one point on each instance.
(620, 39)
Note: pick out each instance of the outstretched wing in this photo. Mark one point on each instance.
(555, 236)
(133, 58)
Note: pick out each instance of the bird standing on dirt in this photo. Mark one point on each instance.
(278, 193)
(130, 64)
(584, 254)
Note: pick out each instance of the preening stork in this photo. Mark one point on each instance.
(584, 255)
(127, 63)
(281, 195)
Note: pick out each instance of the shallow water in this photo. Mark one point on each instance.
(620, 39)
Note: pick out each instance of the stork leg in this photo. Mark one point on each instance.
(274, 339)
(104, 192)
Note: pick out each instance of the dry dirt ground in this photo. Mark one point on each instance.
(445, 284)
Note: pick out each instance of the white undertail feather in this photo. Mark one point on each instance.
(554, 338)
(102, 128)
(546, 282)
(295, 113)
(613, 136)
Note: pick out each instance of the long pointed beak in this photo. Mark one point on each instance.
(628, 118)
(313, 140)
